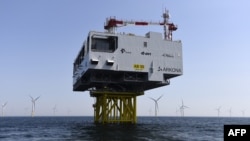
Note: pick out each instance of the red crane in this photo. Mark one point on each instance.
(112, 23)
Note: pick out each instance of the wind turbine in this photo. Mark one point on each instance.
(176, 112)
(156, 103)
(230, 112)
(33, 105)
(182, 107)
(54, 110)
(243, 113)
(218, 110)
(3, 106)
(68, 112)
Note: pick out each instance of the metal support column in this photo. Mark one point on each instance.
(115, 107)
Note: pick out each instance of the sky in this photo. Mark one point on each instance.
(39, 41)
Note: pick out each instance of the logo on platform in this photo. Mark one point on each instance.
(168, 55)
(146, 53)
(124, 51)
(166, 69)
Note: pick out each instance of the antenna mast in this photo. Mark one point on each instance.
(165, 16)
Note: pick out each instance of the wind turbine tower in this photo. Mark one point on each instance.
(54, 110)
(182, 107)
(156, 103)
(218, 110)
(243, 113)
(230, 112)
(33, 105)
(3, 106)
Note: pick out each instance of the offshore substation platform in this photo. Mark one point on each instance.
(117, 67)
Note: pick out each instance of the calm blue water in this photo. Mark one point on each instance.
(147, 129)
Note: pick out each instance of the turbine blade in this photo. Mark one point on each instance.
(4, 104)
(31, 98)
(37, 98)
(159, 98)
(180, 107)
(152, 99)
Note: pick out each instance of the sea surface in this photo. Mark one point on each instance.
(146, 129)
